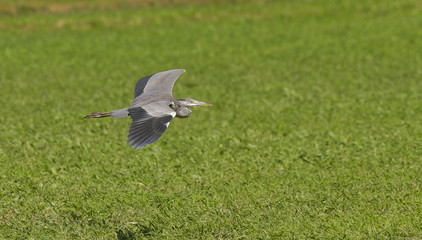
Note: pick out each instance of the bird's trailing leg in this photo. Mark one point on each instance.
(98, 115)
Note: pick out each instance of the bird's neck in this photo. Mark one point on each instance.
(183, 112)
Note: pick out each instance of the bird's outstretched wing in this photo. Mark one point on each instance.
(149, 123)
(161, 82)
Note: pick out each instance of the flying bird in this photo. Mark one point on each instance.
(152, 108)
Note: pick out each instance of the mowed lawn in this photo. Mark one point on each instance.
(316, 130)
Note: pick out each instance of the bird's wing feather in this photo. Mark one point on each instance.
(161, 82)
(149, 123)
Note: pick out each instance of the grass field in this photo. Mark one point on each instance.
(316, 130)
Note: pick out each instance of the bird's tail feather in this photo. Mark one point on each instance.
(98, 115)
(120, 113)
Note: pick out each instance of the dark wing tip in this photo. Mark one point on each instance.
(147, 130)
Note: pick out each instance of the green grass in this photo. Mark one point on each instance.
(316, 130)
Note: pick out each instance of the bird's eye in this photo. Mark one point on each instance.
(171, 104)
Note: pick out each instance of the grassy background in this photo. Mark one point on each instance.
(315, 134)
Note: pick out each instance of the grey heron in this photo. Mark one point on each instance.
(152, 108)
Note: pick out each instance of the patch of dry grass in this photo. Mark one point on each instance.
(58, 7)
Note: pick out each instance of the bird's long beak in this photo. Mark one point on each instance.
(206, 104)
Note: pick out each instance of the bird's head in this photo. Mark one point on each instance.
(189, 102)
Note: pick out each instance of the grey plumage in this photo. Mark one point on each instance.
(152, 108)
